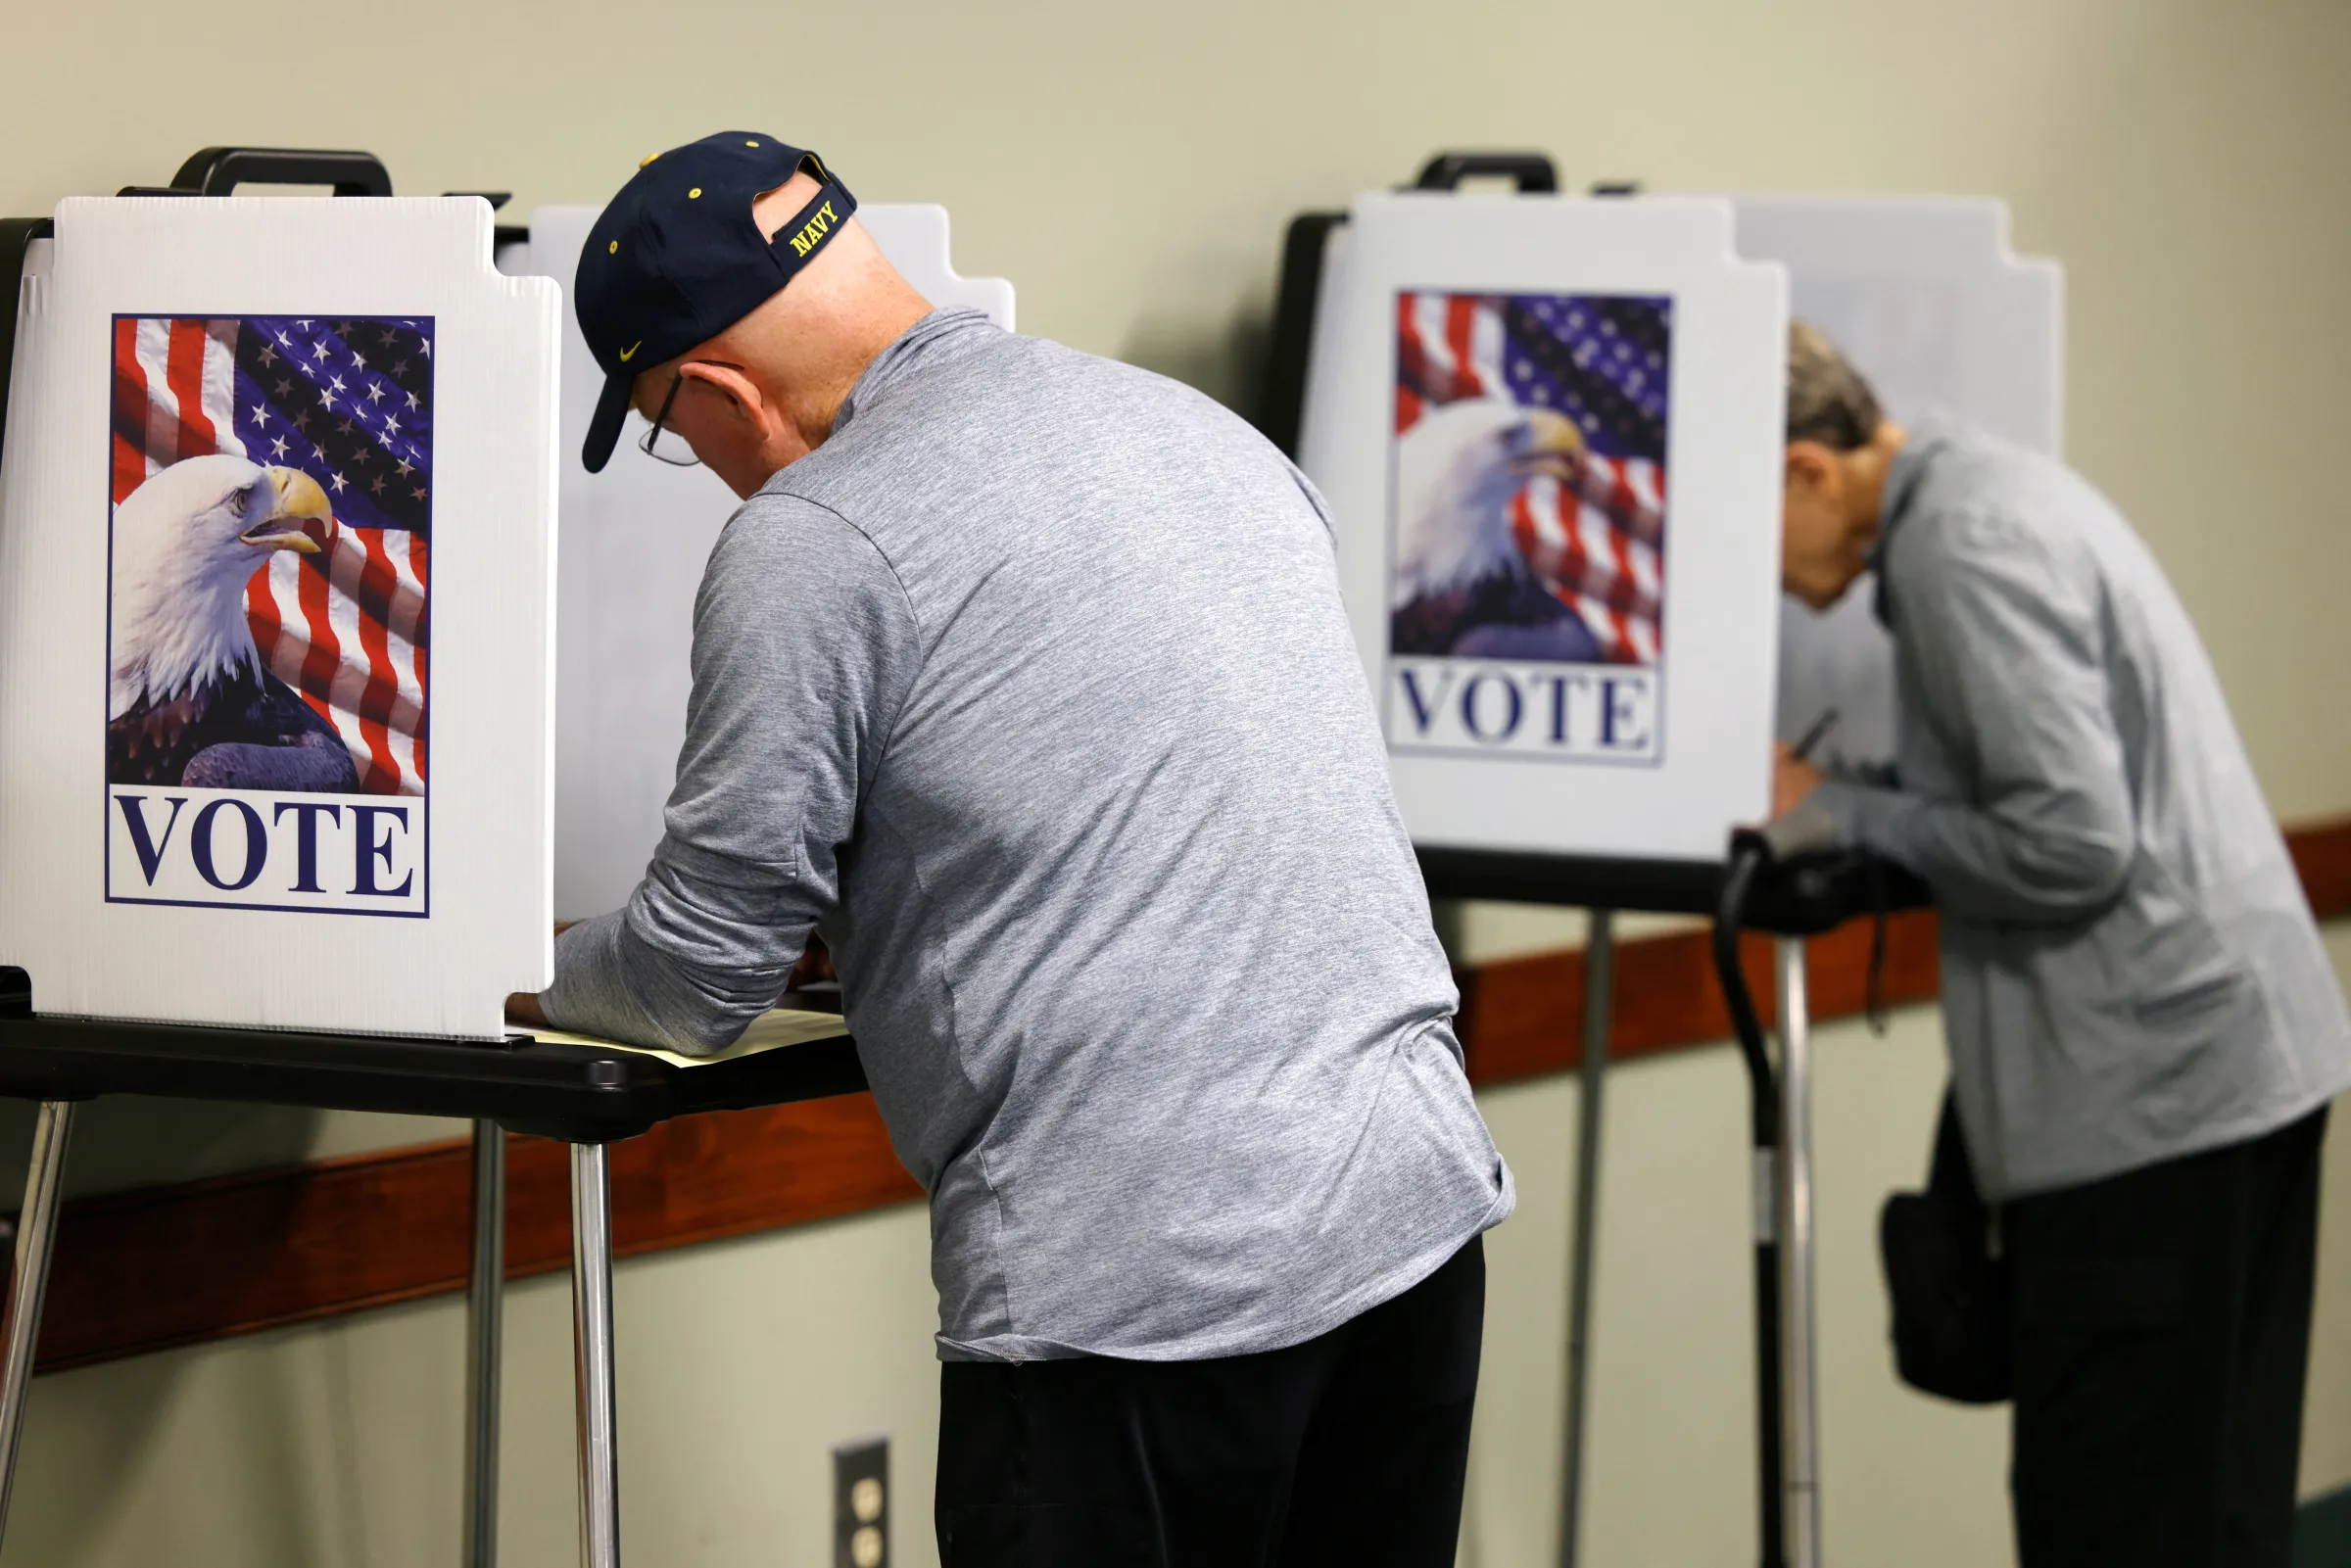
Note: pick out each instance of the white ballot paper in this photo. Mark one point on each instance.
(276, 582)
(1549, 431)
(770, 1030)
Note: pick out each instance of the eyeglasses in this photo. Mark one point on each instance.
(663, 443)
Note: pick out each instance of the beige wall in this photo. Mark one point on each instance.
(1129, 167)
(339, 1446)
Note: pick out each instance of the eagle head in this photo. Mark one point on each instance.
(1457, 472)
(186, 543)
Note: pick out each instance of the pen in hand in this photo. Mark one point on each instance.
(1803, 751)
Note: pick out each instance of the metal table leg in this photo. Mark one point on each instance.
(1800, 1353)
(1600, 973)
(36, 1238)
(592, 1334)
(485, 1307)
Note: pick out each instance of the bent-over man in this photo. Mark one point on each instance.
(2144, 1030)
(1022, 677)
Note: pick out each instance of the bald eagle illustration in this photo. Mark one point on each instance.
(190, 702)
(1463, 587)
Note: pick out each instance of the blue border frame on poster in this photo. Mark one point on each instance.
(105, 786)
(1387, 569)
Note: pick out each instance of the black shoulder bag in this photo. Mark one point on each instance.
(1949, 1293)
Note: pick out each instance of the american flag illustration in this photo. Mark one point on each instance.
(1596, 543)
(348, 402)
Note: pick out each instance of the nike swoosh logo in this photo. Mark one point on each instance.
(630, 350)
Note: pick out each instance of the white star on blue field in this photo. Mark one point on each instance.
(1604, 360)
(349, 402)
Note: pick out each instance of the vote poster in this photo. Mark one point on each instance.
(1548, 431)
(271, 484)
(1527, 530)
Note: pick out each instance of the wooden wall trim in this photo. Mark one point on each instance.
(2322, 853)
(163, 1266)
(145, 1270)
(1522, 1017)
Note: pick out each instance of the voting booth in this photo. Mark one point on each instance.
(278, 728)
(1550, 429)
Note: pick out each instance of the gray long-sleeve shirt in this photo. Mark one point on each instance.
(1030, 689)
(2129, 969)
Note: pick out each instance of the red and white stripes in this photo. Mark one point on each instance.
(1450, 347)
(172, 381)
(343, 628)
(1593, 562)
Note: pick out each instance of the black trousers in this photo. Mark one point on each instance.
(1348, 1448)
(2162, 1332)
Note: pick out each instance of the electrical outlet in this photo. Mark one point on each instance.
(861, 1503)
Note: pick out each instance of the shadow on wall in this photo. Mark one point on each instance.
(1205, 317)
(102, 1444)
(1224, 359)
(120, 1142)
(285, 1478)
(2322, 1531)
(126, 1141)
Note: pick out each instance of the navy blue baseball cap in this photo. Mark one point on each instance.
(676, 259)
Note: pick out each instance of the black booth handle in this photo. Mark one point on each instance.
(1531, 172)
(219, 171)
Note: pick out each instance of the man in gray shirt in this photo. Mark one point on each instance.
(1022, 677)
(2145, 1029)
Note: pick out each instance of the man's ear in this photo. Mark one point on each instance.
(1813, 468)
(743, 396)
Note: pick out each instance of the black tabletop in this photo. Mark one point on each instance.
(581, 1094)
(588, 1094)
(1802, 897)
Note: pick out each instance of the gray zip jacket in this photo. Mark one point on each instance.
(2130, 968)
(1031, 687)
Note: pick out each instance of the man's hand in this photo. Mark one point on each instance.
(815, 966)
(1792, 779)
(522, 1006)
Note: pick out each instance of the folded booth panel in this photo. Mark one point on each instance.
(636, 536)
(276, 544)
(1925, 297)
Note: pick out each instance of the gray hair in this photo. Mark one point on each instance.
(1828, 400)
